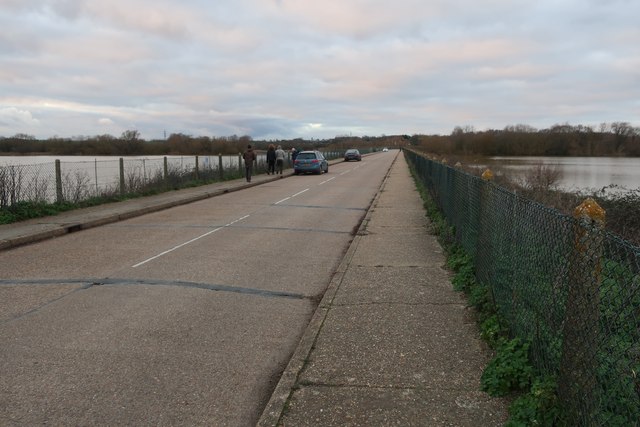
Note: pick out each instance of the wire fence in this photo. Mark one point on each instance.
(64, 181)
(562, 283)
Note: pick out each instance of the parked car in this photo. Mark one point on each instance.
(352, 154)
(385, 149)
(310, 161)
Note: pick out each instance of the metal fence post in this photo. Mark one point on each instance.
(196, 169)
(220, 168)
(122, 189)
(165, 169)
(95, 174)
(579, 367)
(240, 164)
(59, 195)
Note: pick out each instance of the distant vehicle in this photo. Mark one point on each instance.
(352, 154)
(310, 161)
(385, 149)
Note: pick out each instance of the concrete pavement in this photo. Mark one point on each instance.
(37, 229)
(390, 343)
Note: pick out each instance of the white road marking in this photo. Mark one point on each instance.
(291, 197)
(186, 243)
(299, 193)
(283, 200)
(330, 179)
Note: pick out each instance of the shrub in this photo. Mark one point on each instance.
(538, 407)
(509, 370)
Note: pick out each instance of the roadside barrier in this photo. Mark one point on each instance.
(564, 284)
(78, 181)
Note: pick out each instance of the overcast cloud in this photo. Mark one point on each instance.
(314, 69)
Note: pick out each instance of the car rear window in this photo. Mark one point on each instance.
(306, 156)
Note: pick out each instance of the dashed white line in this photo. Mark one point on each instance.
(291, 197)
(283, 200)
(330, 179)
(300, 192)
(186, 243)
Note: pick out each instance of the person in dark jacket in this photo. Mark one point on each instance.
(271, 160)
(249, 157)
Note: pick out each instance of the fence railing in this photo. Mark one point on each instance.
(62, 181)
(564, 284)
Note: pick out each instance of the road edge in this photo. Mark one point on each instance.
(280, 396)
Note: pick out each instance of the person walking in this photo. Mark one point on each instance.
(280, 155)
(249, 157)
(271, 159)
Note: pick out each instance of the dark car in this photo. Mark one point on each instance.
(352, 154)
(310, 161)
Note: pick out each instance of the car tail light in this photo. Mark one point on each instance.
(314, 161)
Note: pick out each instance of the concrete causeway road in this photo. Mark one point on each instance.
(185, 316)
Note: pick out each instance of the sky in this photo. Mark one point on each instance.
(284, 69)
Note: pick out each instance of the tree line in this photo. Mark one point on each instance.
(130, 143)
(609, 139)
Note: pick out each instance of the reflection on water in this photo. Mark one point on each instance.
(578, 173)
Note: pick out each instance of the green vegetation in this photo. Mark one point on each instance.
(538, 407)
(26, 210)
(511, 372)
(526, 266)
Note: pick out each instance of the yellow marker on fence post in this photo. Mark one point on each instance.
(577, 386)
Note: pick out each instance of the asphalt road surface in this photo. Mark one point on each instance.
(182, 317)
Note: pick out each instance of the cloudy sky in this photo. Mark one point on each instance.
(314, 69)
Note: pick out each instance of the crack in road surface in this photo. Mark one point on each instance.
(88, 283)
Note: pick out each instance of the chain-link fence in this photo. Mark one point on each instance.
(26, 182)
(564, 284)
(77, 181)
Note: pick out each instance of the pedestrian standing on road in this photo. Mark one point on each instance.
(271, 159)
(280, 155)
(249, 157)
(294, 154)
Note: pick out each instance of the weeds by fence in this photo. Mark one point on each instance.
(564, 285)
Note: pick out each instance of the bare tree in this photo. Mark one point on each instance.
(541, 177)
(75, 186)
